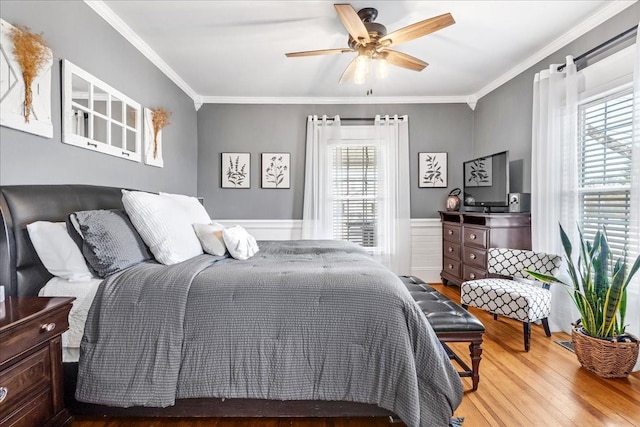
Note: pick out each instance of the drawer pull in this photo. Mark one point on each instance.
(3, 393)
(450, 266)
(472, 256)
(472, 236)
(450, 249)
(450, 232)
(472, 276)
(47, 327)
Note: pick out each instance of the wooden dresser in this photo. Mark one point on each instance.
(466, 236)
(31, 386)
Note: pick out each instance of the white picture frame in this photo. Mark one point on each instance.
(152, 156)
(12, 90)
(276, 170)
(236, 170)
(432, 170)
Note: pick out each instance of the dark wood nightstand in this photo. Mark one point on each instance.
(31, 382)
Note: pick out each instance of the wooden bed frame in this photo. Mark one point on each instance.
(22, 273)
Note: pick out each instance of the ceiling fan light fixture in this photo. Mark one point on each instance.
(382, 67)
(362, 69)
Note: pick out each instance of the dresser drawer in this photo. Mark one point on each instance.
(475, 257)
(451, 233)
(470, 273)
(451, 250)
(32, 333)
(35, 412)
(475, 237)
(22, 380)
(451, 266)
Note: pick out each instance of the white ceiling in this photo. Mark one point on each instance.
(221, 51)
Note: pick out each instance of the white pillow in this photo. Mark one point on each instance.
(57, 251)
(192, 208)
(210, 236)
(164, 228)
(240, 244)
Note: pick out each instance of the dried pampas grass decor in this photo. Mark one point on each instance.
(31, 53)
(160, 119)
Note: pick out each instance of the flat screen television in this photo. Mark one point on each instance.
(486, 182)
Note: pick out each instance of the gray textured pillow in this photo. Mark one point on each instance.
(110, 242)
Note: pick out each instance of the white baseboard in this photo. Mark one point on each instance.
(426, 240)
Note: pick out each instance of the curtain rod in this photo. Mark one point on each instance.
(359, 119)
(602, 46)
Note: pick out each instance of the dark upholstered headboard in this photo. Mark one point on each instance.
(21, 271)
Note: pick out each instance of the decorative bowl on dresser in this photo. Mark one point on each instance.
(466, 237)
(31, 385)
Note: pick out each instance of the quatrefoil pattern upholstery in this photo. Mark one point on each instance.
(520, 299)
(513, 262)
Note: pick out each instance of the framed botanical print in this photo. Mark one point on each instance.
(236, 170)
(276, 168)
(432, 170)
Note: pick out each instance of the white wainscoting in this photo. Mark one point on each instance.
(426, 240)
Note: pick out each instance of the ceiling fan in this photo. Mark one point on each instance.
(371, 42)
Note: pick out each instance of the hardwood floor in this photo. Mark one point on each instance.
(545, 387)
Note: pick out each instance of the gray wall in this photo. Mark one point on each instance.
(503, 117)
(274, 128)
(75, 32)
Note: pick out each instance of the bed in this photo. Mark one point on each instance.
(422, 389)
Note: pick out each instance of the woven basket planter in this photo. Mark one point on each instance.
(607, 359)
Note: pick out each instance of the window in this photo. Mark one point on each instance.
(98, 117)
(604, 168)
(355, 192)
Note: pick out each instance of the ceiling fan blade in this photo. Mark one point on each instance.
(418, 29)
(405, 61)
(352, 23)
(349, 72)
(317, 52)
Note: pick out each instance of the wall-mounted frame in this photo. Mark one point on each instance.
(432, 170)
(236, 170)
(98, 117)
(152, 147)
(276, 170)
(12, 90)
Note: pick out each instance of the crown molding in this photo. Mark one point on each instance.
(608, 11)
(336, 100)
(120, 26)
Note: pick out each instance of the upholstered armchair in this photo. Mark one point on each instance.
(513, 293)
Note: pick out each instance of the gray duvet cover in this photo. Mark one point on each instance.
(301, 320)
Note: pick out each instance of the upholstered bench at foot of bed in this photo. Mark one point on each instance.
(451, 323)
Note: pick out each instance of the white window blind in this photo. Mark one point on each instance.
(604, 168)
(355, 192)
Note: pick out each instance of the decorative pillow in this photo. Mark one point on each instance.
(240, 244)
(191, 207)
(210, 236)
(57, 251)
(110, 242)
(163, 227)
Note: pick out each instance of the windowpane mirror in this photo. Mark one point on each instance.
(98, 117)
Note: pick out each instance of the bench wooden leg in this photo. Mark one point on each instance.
(475, 348)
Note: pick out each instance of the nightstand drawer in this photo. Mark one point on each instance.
(36, 412)
(32, 333)
(24, 379)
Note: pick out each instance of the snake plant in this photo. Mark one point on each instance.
(599, 284)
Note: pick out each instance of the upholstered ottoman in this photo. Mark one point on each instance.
(451, 323)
